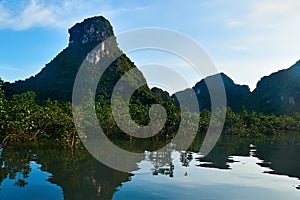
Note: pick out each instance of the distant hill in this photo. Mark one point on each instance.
(236, 95)
(278, 93)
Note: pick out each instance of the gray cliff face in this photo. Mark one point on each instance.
(92, 30)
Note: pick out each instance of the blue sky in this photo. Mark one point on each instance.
(245, 39)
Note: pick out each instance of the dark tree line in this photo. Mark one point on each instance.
(23, 119)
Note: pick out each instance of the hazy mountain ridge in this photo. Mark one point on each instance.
(278, 93)
(236, 95)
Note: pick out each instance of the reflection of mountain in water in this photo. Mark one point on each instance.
(82, 177)
(219, 157)
(77, 172)
(281, 155)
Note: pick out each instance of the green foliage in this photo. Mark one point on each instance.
(32, 115)
(22, 119)
(236, 95)
(255, 124)
(278, 93)
(3, 108)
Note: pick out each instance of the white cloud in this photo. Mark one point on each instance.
(267, 41)
(256, 37)
(33, 15)
(273, 8)
(235, 23)
(274, 14)
(64, 13)
(238, 48)
(4, 16)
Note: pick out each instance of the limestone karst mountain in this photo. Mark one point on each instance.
(278, 93)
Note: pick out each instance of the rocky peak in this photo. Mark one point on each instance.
(91, 30)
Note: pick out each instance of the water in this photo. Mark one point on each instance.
(237, 168)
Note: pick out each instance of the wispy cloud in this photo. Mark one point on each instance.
(29, 15)
(235, 23)
(63, 13)
(238, 48)
(273, 8)
(11, 69)
(259, 36)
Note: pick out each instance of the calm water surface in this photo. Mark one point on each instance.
(237, 168)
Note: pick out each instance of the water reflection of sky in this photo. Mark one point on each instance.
(235, 169)
(244, 179)
(37, 186)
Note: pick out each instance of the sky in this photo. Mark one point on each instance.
(245, 39)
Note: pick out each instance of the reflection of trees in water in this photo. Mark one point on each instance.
(80, 175)
(83, 177)
(77, 172)
(162, 162)
(167, 170)
(21, 183)
(15, 164)
(219, 157)
(281, 154)
(186, 158)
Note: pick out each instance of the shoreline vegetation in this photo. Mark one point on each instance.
(22, 119)
(39, 109)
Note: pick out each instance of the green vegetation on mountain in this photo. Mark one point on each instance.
(56, 81)
(278, 93)
(23, 119)
(57, 78)
(39, 108)
(236, 95)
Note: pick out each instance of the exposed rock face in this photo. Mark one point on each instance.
(96, 29)
(93, 31)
